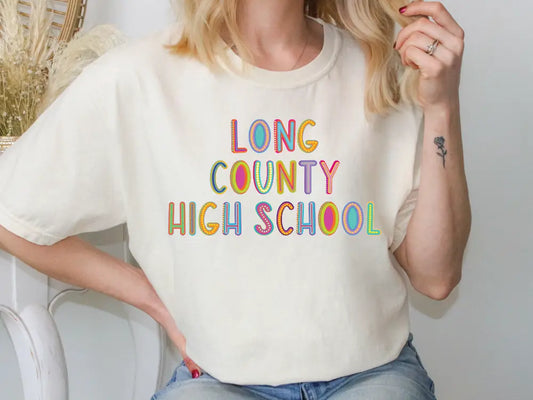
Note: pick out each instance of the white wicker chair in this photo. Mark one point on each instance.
(28, 304)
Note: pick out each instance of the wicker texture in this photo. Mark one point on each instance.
(68, 16)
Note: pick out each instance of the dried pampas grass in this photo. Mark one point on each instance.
(35, 67)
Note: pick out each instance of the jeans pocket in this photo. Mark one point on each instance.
(175, 372)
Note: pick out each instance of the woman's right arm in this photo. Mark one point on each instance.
(77, 262)
(74, 261)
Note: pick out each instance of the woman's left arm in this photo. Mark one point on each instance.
(432, 250)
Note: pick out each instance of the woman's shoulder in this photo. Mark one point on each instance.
(142, 55)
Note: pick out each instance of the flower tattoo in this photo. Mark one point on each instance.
(439, 141)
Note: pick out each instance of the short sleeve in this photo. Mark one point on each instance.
(62, 176)
(406, 210)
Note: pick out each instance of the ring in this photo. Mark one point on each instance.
(430, 49)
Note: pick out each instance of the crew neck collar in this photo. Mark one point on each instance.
(307, 73)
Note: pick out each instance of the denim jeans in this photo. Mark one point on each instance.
(404, 378)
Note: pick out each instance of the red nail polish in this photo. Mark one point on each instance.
(195, 373)
(402, 9)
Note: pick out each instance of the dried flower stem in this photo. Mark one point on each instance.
(35, 67)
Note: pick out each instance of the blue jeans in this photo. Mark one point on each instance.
(404, 378)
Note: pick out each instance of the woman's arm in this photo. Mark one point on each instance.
(77, 262)
(433, 247)
(432, 251)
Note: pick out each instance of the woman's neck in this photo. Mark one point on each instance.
(278, 33)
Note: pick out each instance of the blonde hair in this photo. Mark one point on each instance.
(371, 22)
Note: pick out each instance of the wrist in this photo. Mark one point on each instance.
(442, 119)
(150, 302)
(442, 110)
(157, 310)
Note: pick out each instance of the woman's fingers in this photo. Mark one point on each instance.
(194, 369)
(413, 39)
(429, 67)
(437, 11)
(433, 31)
(179, 341)
(420, 40)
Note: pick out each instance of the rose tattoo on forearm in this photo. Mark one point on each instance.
(439, 141)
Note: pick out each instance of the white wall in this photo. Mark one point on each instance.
(135, 18)
(477, 343)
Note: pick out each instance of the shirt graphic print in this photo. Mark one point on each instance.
(276, 176)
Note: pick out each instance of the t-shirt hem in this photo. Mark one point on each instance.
(25, 230)
(310, 375)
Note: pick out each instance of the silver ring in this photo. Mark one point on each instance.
(430, 49)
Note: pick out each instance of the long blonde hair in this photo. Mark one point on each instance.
(371, 22)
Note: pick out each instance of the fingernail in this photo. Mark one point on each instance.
(402, 9)
(195, 373)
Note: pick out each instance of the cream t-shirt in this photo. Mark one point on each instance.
(264, 209)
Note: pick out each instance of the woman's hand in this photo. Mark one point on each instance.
(168, 323)
(440, 72)
(160, 313)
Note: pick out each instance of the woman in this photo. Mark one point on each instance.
(271, 209)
